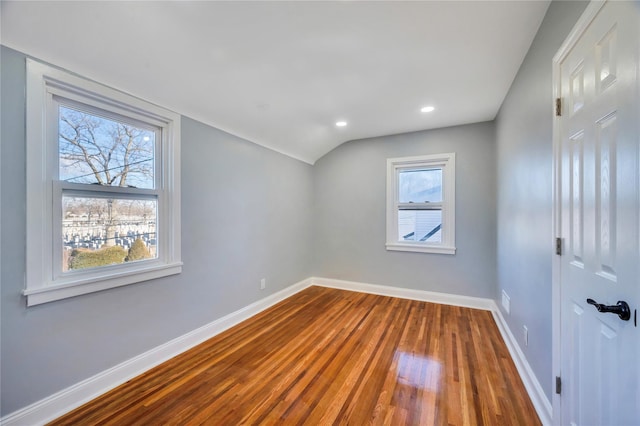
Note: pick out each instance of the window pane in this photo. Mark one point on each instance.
(420, 225)
(105, 231)
(419, 186)
(98, 150)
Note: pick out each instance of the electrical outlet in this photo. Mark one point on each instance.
(506, 302)
(525, 335)
(263, 284)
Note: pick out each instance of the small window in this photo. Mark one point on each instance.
(420, 204)
(103, 205)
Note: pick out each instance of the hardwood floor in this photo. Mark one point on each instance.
(328, 356)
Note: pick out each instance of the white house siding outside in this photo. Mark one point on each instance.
(413, 225)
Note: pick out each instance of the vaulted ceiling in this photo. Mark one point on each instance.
(281, 74)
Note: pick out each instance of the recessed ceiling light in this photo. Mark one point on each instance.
(427, 109)
(341, 123)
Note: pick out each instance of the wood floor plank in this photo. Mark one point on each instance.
(326, 356)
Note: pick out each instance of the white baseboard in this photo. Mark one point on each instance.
(406, 293)
(531, 383)
(72, 397)
(62, 402)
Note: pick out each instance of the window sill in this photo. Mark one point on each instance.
(85, 285)
(421, 248)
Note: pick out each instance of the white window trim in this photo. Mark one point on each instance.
(43, 283)
(394, 166)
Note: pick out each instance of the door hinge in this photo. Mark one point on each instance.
(559, 246)
(558, 107)
(558, 385)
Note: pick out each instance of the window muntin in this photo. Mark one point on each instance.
(420, 203)
(88, 144)
(97, 149)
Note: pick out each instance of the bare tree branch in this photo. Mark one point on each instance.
(110, 151)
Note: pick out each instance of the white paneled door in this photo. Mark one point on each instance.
(598, 220)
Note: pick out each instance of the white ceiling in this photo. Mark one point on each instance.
(280, 74)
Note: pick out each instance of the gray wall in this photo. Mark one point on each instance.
(246, 214)
(249, 213)
(350, 209)
(525, 159)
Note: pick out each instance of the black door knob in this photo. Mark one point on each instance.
(621, 308)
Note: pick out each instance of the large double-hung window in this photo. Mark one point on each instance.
(420, 204)
(103, 202)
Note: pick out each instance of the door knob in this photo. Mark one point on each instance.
(621, 308)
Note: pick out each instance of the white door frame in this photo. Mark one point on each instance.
(578, 30)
